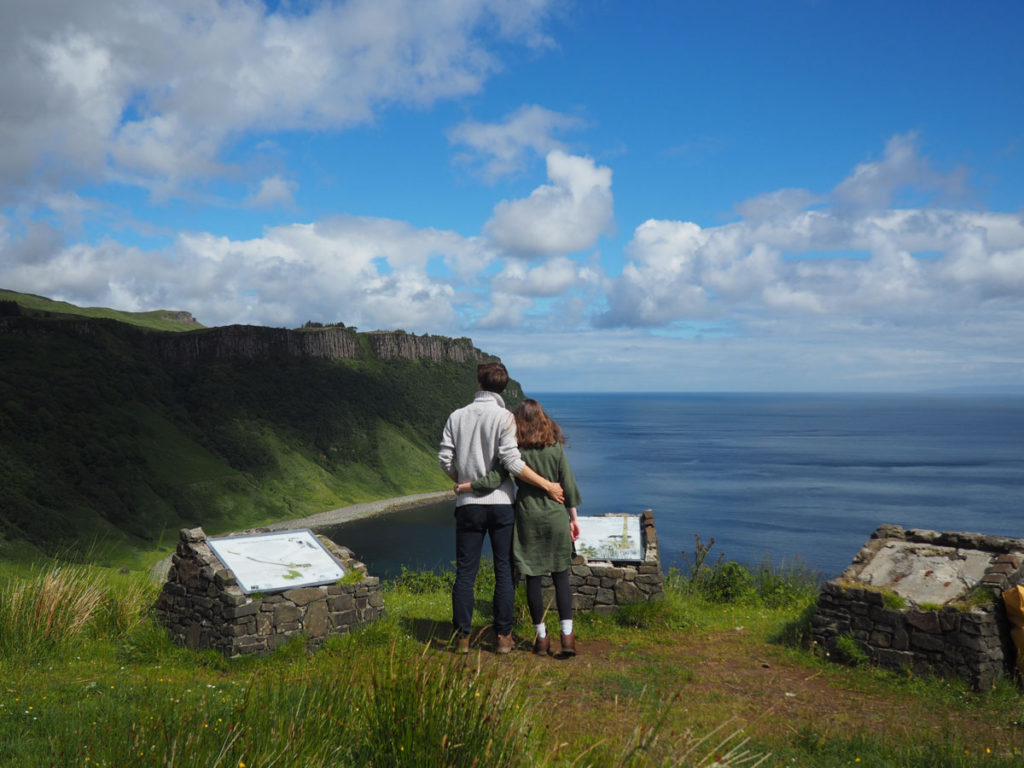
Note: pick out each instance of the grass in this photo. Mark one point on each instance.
(159, 320)
(693, 680)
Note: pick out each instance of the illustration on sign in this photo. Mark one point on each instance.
(610, 537)
(280, 560)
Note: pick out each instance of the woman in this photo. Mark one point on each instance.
(544, 529)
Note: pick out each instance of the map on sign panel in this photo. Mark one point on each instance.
(610, 537)
(267, 562)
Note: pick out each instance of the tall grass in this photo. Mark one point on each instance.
(47, 609)
(52, 606)
(380, 709)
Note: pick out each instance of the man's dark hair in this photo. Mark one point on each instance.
(492, 377)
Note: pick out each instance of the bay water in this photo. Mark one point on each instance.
(795, 478)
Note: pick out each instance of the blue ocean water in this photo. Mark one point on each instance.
(783, 476)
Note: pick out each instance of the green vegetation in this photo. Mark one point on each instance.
(692, 682)
(39, 306)
(108, 449)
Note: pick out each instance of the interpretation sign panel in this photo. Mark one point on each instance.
(610, 537)
(265, 562)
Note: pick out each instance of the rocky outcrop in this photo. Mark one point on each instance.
(330, 343)
(253, 342)
(397, 345)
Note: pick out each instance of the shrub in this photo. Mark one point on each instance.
(727, 582)
(849, 652)
(785, 585)
(424, 582)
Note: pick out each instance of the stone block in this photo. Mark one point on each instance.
(304, 595)
(627, 592)
(345, 618)
(286, 614)
(926, 641)
(316, 622)
(264, 624)
(927, 621)
(880, 639)
(344, 602)
(239, 611)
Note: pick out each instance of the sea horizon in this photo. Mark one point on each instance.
(798, 478)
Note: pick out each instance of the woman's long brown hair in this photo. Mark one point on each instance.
(534, 428)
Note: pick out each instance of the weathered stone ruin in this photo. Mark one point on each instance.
(927, 601)
(203, 606)
(603, 585)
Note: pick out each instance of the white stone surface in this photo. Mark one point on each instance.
(923, 573)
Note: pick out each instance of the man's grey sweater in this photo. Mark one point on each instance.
(478, 438)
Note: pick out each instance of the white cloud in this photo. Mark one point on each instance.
(853, 258)
(504, 148)
(552, 278)
(368, 272)
(872, 186)
(153, 93)
(274, 191)
(565, 216)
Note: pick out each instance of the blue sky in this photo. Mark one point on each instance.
(611, 196)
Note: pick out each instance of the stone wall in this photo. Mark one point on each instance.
(203, 607)
(966, 637)
(602, 585)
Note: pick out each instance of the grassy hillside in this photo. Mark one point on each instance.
(39, 306)
(105, 449)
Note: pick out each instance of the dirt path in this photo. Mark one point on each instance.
(705, 679)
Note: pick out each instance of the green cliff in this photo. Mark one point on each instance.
(116, 431)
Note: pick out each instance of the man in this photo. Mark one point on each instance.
(476, 439)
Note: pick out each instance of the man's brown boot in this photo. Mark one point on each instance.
(506, 643)
(542, 645)
(462, 644)
(569, 644)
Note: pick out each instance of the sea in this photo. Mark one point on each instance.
(799, 479)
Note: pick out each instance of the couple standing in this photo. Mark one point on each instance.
(480, 451)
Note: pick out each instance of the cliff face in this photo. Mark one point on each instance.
(331, 343)
(403, 346)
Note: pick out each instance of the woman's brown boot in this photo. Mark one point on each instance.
(542, 645)
(569, 644)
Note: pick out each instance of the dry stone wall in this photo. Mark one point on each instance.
(603, 585)
(967, 638)
(203, 607)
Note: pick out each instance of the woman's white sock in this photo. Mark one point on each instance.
(566, 626)
(542, 630)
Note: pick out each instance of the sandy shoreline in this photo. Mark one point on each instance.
(359, 511)
(331, 517)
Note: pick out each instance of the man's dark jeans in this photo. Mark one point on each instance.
(472, 522)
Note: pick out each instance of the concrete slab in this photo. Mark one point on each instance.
(925, 573)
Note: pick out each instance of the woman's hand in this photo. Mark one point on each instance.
(574, 529)
(466, 487)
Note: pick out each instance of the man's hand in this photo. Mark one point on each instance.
(555, 492)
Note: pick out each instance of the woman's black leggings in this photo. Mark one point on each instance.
(563, 596)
